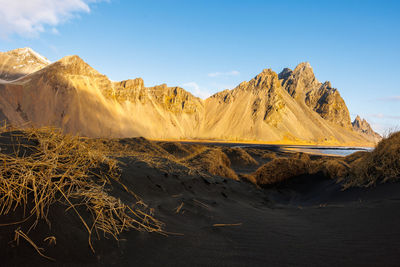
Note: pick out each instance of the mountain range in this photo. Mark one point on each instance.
(289, 107)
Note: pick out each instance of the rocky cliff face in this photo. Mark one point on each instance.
(20, 62)
(299, 81)
(302, 85)
(362, 126)
(291, 107)
(328, 103)
(172, 99)
(246, 111)
(265, 92)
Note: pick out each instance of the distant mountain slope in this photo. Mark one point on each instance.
(291, 107)
(362, 126)
(75, 97)
(20, 62)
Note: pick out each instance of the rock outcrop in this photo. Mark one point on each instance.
(299, 81)
(362, 126)
(292, 107)
(302, 85)
(328, 103)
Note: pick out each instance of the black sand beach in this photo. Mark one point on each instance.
(211, 220)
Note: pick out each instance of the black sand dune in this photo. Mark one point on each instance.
(215, 221)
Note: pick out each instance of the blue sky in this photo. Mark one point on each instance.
(206, 46)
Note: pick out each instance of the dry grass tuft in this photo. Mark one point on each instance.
(179, 150)
(380, 165)
(281, 169)
(335, 169)
(264, 154)
(127, 147)
(239, 156)
(41, 167)
(213, 161)
(19, 233)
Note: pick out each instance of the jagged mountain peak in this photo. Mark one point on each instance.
(303, 66)
(264, 81)
(360, 123)
(303, 86)
(266, 78)
(305, 72)
(266, 72)
(358, 120)
(74, 65)
(72, 59)
(299, 81)
(328, 84)
(361, 126)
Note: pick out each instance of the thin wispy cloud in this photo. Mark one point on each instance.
(390, 98)
(29, 18)
(384, 116)
(196, 90)
(384, 123)
(229, 73)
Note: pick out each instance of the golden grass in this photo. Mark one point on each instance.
(179, 150)
(239, 156)
(62, 169)
(19, 233)
(178, 209)
(281, 169)
(213, 161)
(380, 165)
(334, 168)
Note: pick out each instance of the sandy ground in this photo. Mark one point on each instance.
(308, 221)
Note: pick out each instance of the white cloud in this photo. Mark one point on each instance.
(229, 73)
(28, 18)
(195, 89)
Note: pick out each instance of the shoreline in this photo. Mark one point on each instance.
(271, 143)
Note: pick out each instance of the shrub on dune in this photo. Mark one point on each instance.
(281, 169)
(181, 151)
(239, 156)
(213, 161)
(380, 165)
